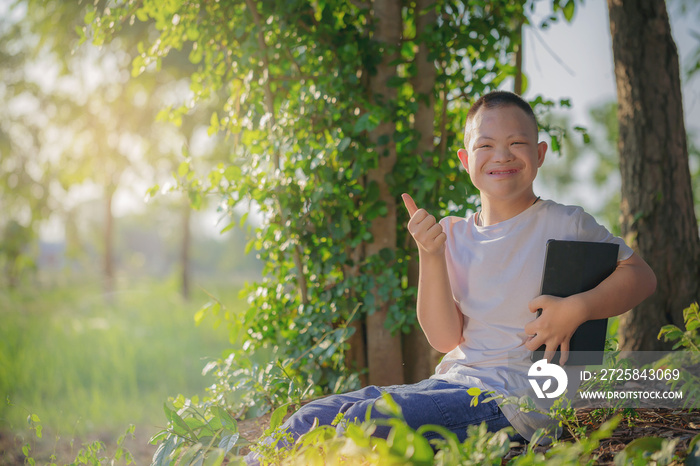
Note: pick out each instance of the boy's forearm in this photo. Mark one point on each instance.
(631, 283)
(438, 314)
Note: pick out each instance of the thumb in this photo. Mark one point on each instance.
(409, 203)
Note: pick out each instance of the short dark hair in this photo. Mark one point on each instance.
(496, 99)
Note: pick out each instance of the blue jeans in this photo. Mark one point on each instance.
(430, 401)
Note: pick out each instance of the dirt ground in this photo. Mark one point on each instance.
(665, 423)
(65, 449)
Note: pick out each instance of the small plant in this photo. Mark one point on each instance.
(92, 453)
(688, 339)
(195, 433)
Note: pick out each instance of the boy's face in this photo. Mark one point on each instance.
(503, 154)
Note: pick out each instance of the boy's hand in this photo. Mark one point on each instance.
(424, 228)
(554, 327)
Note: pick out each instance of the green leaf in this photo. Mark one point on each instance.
(213, 124)
(227, 228)
(474, 391)
(243, 219)
(227, 421)
(180, 426)
(387, 405)
(344, 144)
(556, 147)
(569, 10)
(278, 416)
(215, 457)
(670, 333)
(89, 16)
(232, 173)
(366, 122)
(183, 169)
(158, 436)
(142, 14)
(228, 442)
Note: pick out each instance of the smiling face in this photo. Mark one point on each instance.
(503, 154)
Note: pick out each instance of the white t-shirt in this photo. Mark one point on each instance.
(495, 271)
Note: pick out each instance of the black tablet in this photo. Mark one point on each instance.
(573, 267)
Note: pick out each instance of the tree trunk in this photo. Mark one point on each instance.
(518, 80)
(418, 355)
(383, 349)
(185, 269)
(108, 260)
(658, 219)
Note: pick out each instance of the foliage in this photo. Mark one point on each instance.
(688, 339)
(194, 435)
(688, 342)
(323, 445)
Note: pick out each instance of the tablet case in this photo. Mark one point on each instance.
(573, 267)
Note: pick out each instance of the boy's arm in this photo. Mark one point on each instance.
(438, 314)
(631, 283)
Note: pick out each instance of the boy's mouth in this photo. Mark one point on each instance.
(503, 171)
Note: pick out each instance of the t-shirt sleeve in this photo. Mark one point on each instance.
(590, 230)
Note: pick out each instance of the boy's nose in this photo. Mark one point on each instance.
(503, 154)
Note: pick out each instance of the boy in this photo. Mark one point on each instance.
(479, 284)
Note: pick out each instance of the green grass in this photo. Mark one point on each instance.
(84, 365)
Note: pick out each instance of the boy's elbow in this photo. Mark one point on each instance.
(644, 277)
(444, 346)
(647, 280)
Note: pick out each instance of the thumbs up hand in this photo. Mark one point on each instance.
(425, 230)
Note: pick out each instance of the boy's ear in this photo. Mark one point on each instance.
(464, 158)
(541, 151)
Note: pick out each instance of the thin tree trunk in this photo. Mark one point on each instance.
(658, 219)
(417, 352)
(108, 259)
(185, 268)
(384, 349)
(518, 81)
